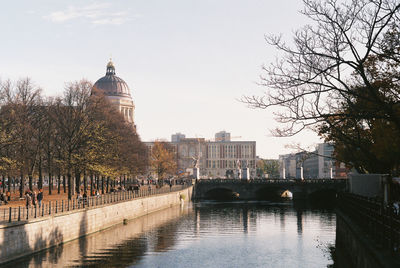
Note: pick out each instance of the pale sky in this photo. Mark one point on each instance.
(186, 62)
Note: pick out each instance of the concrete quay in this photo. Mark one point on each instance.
(18, 239)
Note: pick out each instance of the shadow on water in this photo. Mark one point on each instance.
(121, 246)
(165, 237)
(130, 251)
(124, 254)
(83, 244)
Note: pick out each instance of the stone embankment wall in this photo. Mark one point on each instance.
(355, 249)
(25, 237)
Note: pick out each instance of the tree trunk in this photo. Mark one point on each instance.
(58, 182)
(4, 183)
(108, 183)
(91, 185)
(85, 183)
(78, 182)
(40, 184)
(124, 181)
(9, 188)
(30, 182)
(64, 184)
(72, 185)
(102, 184)
(97, 182)
(21, 186)
(69, 178)
(50, 183)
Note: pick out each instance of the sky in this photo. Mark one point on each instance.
(187, 62)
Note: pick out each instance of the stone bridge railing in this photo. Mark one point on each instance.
(273, 181)
(252, 189)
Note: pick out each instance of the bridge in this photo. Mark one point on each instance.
(266, 189)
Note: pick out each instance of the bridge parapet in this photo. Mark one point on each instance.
(270, 181)
(251, 189)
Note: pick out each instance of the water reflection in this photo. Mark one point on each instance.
(299, 214)
(206, 234)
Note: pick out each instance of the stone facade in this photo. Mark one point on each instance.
(189, 151)
(215, 159)
(117, 92)
(126, 107)
(226, 157)
(317, 164)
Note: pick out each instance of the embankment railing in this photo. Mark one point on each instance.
(380, 222)
(22, 213)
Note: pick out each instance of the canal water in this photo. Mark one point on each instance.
(205, 234)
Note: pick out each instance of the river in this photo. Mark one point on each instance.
(205, 234)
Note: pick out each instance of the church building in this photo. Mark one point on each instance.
(117, 92)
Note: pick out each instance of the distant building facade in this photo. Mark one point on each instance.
(214, 158)
(177, 137)
(225, 157)
(318, 164)
(190, 151)
(326, 164)
(223, 136)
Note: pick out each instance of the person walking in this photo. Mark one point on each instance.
(84, 197)
(33, 195)
(79, 199)
(40, 197)
(28, 199)
(4, 198)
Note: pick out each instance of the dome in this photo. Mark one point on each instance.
(112, 85)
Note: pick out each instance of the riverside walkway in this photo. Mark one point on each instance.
(49, 208)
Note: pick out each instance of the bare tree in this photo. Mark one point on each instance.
(73, 135)
(49, 144)
(24, 98)
(73, 125)
(328, 63)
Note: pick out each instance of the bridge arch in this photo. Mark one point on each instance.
(221, 194)
(270, 193)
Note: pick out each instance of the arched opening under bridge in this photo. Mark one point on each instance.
(222, 194)
(273, 194)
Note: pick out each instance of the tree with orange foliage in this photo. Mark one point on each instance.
(162, 159)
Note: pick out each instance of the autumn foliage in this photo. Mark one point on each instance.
(74, 136)
(163, 159)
